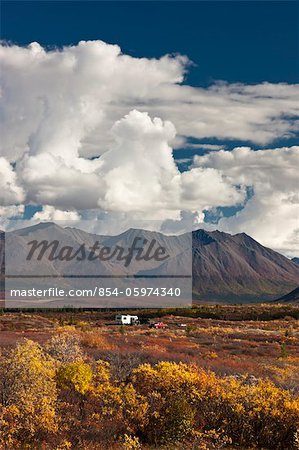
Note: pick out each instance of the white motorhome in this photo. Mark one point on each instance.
(127, 319)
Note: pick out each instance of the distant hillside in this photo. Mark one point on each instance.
(228, 268)
(291, 297)
(232, 267)
(295, 260)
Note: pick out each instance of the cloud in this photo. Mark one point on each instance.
(9, 212)
(10, 191)
(65, 101)
(49, 213)
(138, 173)
(87, 128)
(271, 215)
(52, 180)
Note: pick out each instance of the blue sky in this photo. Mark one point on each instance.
(241, 41)
(239, 95)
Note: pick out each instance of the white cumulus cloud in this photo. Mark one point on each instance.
(87, 128)
(271, 215)
(65, 101)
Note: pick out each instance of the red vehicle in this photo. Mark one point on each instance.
(158, 325)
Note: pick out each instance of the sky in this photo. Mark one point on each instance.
(174, 111)
(247, 42)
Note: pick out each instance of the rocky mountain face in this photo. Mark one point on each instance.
(295, 260)
(229, 268)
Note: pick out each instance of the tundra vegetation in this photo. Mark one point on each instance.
(77, 381)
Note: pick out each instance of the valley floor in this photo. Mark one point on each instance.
(243, 351)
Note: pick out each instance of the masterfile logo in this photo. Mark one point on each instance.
(55, 265)
(140, 250)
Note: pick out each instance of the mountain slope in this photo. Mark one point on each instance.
(291, 297)
(17, 244)
(237, 266)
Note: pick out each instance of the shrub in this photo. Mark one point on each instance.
(131, 443)
(28, 395)
(166, 405)
(65, 348)
(258, 414)
(95, 339)
(76, 376)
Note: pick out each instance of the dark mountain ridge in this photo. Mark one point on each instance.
(291, 297)
(232, 266)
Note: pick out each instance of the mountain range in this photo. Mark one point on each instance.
(225, 267)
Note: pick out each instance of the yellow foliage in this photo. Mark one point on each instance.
(131, 443)
(183, 379)
(102, 372)
(28, 393)
(211, 355)
(167, 404)
(230, 403)
(76, 375)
